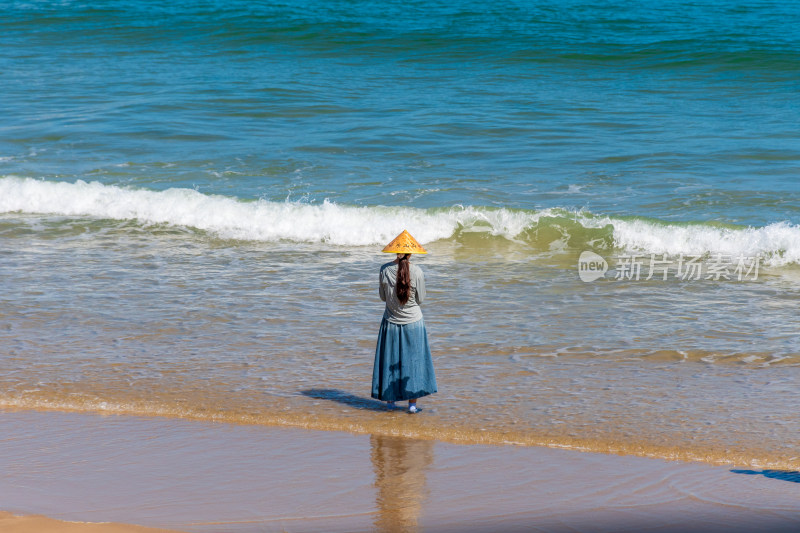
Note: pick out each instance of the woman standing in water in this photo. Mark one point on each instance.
(403, 366)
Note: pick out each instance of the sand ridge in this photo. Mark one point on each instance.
(10, 523)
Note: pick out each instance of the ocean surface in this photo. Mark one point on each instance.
(194, 196)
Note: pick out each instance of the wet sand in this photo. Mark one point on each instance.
(201, 477)
(10, 523)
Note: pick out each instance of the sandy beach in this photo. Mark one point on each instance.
(207, 477)
(41, 524)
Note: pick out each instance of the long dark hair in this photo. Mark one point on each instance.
(403, 285)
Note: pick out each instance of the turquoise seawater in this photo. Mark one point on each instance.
(673, 110)
(193, 197)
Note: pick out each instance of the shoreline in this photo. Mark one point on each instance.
(369, 417)
(201, 477)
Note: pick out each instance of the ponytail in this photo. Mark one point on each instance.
(403, 285)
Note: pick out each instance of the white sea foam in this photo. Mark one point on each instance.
(257, 220)
(778, 243)
(331, 223)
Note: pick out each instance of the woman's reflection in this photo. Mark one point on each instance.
(400, 466)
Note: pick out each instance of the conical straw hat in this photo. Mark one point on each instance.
(404, 244)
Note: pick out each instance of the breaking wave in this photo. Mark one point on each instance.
(347, 225)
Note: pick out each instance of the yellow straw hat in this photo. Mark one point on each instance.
(404, 244)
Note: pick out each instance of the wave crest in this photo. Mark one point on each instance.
(343, 225)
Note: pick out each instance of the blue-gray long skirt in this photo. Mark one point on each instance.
(403, 367)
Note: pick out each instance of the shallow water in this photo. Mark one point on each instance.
(535, 357)
(193, 197)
